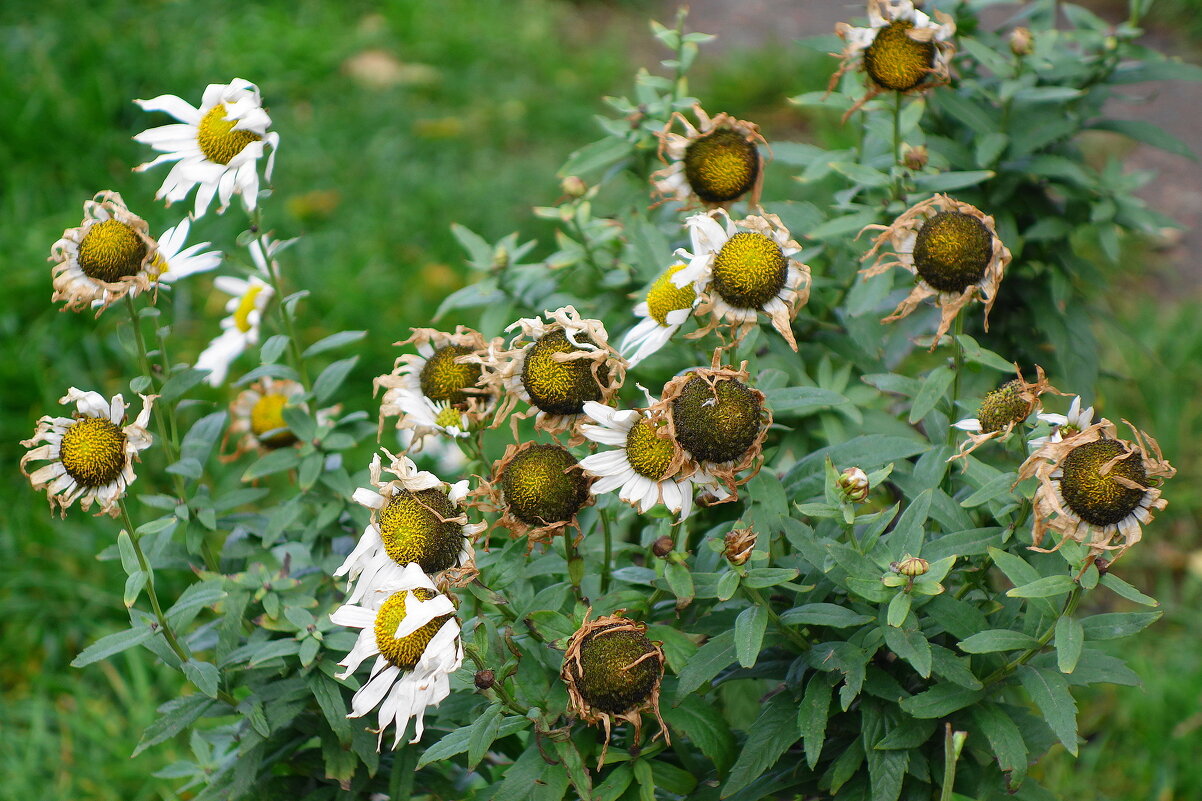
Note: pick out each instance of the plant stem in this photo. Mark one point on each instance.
(503, 695)
(575, 564)
(164, 626)
(950, 758)
(957, 368)
(298, 363)
(165, 410)
(1070, 606)
(756, 597)
(607, 564)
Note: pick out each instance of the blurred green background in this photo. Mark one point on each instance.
(398, 119)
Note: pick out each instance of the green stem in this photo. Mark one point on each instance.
(757, 598)
(957, 368)
(160, 417)
(298, 363)
(164, 626)
(897, 106)
(607, 541)
(950, 757)
(1070, 606)
(503, 695)
(575, 563)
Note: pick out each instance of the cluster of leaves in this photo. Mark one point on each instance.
(812, 669)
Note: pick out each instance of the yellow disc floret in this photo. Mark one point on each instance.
(448, 416)
(649, 455)
(721, 166)
(664, 296)
(897, 61)
(716, 422)
(543, 485)
(1002, 407)
(111, 250)
(952, 251)
(93, 451)
(443, 380)
(561, 387)
(246, 305)
(419, 527)
(749, 270)
(267, 421)
(217, 139)
(617, 670)
(1096, 498)
(404, 652)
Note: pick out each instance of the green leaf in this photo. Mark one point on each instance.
(970, 542)
(760, 577)
(823, 614)
(813, 714)
(909, 733)
(520, 777)
(1070, 638)
(1046, 587)
(680, 581)
(1146, 132)
(1096, 667)
(749, 634)
(948, 181)
(703, 723)
(933, 388)
(129, 557)
(112, 644)
(911, 646)
(274, 462)
(484, 731)
(1116, 625)
(174, 716)
(956, 669)
(940, 700)
(727, 586)
(713, 657)
(333, 706)
(1004, 738)
(773, 732)
(204, 675)
(459, 740)
(994, 640)
(801, 401)
(907, 535)
(994, 488)
(595, 156)
(860, 173)
(899, 609)
(199, 441)
(180, 383)
(975, 353)
(192, 600)
(1050, 692)
(331, 378)
(134, 584)
(1122, 588)
(333, 341)
(272, 349)
(671, 779)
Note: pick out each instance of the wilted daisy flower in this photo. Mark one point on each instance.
(411, 630)
(953, 251)
(111, 254)
(539, 489)
(613, 672)
(1002, 409)
(902, 50)
(556, 366)
(240, 330)
(646, 467)
(1077, 419)
(91, 454)
(1095, 488)
(744, 269)
(719, 423)
(216, 147)
(415, 518)
(257, 414)
(664, 310)
(716, 162)
(435, 390)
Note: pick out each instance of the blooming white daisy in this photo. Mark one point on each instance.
(411, 630)
(176, 261)
(715, 162)
(91, 454)
(435, 390)
(257, 414)
(216, 147)
(415, 518)
(664, 310)
(1077, 419)
(743, 269)
(240, 330)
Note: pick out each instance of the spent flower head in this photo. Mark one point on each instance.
(714, 163)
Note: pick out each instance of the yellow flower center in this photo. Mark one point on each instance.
(449, 416)
(1002, 407)
(896, 61)
(664, 296)
(443, 380)
(267, 421)
(608, 678)
(417, 527)
(93, 451)
(111, 250)
(561, 387)
(648, 454)
(749, 270)
(245, 306)
(716, 423)
(404, 652)
(952, 251)
(217, 139)
(1100, 499)
(721, 166)
(543, 484)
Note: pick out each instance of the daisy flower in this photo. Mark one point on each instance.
(111, 254)
(556, 365)
(415, 518)
(91, 454)
(216, 147)
(1002, 410)
(715, 162)
(412, 631)
(538, 489)
(664, 310)
(1096, 489)
(1077, 419)
(257, 414)
(902, 49)
(645, 466)
(744, 269)
(434, 391)
(953, 251)
(240, 330)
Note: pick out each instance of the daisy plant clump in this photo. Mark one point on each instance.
(770, 556)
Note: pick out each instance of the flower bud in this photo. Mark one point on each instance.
(573, 186)
(915, 157)
(485, 679)
(854, 483)
(500, 258)
(739, 544)
(1021, 42)
(911, 566)
(663, 546)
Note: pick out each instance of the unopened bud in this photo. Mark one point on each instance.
(911, 566)
(485, 679)
(739, 544)
(500, 258)
(854, 483)
(663, 546)
(1021, 42)
(573, 186)
(916, 157)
